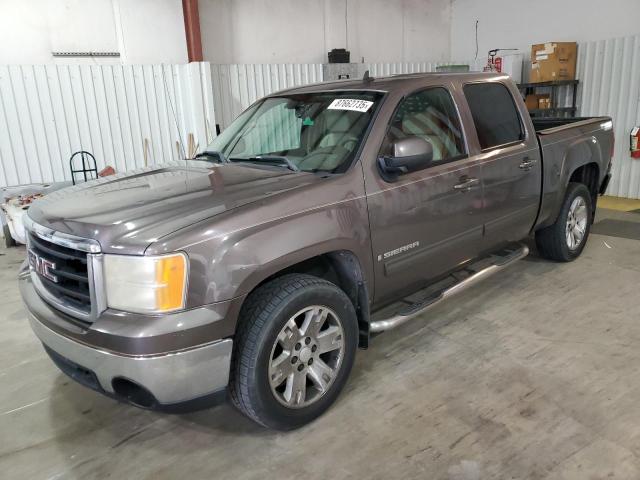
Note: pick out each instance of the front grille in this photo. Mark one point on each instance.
(70, 269)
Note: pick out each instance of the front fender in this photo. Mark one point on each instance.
(230, 262)
(267, 251)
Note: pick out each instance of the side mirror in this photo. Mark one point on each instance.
(409, 155)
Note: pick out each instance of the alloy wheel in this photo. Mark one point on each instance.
(306, 357)
(576, 223)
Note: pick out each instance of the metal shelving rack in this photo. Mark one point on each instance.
(530, 88)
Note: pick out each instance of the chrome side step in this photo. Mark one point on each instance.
(497, 263)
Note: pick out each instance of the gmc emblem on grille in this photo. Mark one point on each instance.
(42, 266)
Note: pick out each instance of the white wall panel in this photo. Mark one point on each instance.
(303, 31)
(517, 24)
(385, 69)
(113, 111)
(609, 73)
(235, 87)
(48, 112)
(142, 31)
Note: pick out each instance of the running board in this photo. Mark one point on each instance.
(496, 264)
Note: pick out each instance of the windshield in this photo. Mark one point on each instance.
(313, 132)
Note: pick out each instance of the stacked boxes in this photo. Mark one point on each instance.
(553, 61)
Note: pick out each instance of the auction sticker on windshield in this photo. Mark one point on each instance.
(350, 104)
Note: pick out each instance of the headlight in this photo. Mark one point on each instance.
(146, 284)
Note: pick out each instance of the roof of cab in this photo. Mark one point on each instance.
(393, 82)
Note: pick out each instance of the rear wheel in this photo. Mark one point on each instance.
(565, 239)
(294, 350)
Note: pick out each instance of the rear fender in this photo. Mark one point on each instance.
(578, 152)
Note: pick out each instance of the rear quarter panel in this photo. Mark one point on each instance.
(564, 150)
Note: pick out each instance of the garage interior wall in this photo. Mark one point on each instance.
(506, 24)
(303, 31)
(266, 49)
(128, 116)
(609, 73)
(233, 31)
(31, 30)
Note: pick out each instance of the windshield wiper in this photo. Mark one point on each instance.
(213, 154)
(276, 160)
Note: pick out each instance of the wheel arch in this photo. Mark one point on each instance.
(341, 267)
(580, 163)
(589, 175)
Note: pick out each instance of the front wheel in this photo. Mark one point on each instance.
(565, 239)
(294, 349)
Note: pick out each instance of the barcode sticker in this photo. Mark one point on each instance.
(350, 104)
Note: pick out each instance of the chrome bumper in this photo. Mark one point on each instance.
(172, 378)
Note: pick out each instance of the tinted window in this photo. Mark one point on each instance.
(431, 115)
(494, 114)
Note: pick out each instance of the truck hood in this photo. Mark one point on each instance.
(127, 212)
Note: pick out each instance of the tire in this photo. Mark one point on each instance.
(8, 239)
(275, 322)
(553, 241)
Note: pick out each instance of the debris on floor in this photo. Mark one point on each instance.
(16, 200)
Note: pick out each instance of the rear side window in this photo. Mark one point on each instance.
(494, 114)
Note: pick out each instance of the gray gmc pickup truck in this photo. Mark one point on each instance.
(321, 216)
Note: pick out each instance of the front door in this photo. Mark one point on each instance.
(428, 222)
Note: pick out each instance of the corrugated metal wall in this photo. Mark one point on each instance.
(385, 69)
(121, 113)
(48, 112)
(235, 87)
(609, 73)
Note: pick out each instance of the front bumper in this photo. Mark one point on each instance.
(157, 380)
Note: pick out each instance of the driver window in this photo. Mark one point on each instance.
(429, 114)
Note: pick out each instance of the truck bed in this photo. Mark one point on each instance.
(548, 125)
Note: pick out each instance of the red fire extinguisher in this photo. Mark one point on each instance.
(635, 142)
(494, 63)
(498, 64)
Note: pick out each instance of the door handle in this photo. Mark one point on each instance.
(466, 184)
(527, 164)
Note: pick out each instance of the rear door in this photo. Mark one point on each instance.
(424, 223)
(510, 158)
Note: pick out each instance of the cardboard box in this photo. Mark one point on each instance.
(544, 102)
(535, 101)
(531, 101)
(553, 61)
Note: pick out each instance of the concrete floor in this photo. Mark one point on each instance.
(533, 374)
